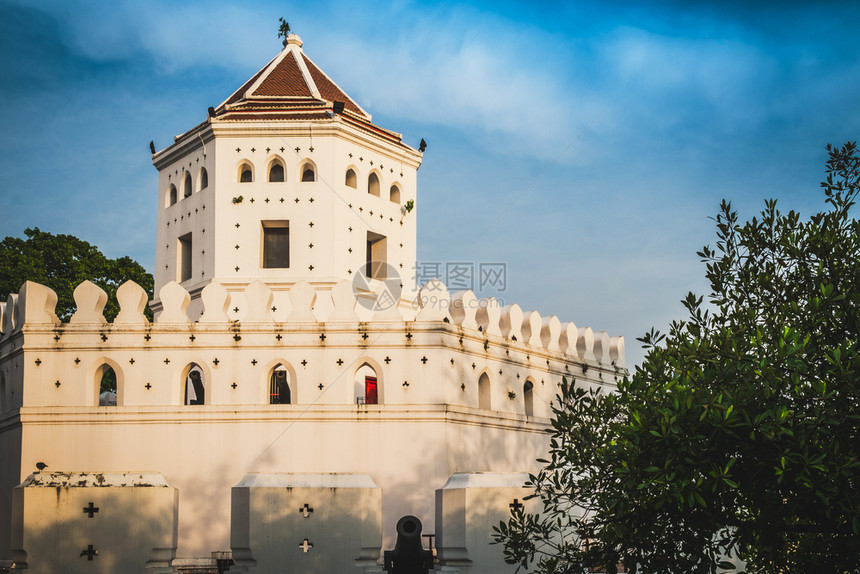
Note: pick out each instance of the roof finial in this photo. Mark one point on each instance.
(283, 30)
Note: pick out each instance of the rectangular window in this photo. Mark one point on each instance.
(377, 247)
(185, 257)
(276, 244)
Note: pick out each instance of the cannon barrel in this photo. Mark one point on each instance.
(408, 556)
(408, 535)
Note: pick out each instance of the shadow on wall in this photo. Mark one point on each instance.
(69, 529)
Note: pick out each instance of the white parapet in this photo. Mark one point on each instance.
(307, 522)
(467, 508)
(83, 522)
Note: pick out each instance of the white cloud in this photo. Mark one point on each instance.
(505, 87)
(177, 36)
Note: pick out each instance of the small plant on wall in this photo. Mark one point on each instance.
(238, 199)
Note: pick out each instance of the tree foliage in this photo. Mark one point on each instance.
(62, 262)
(739, 435)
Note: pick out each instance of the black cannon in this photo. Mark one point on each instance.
(408, 556)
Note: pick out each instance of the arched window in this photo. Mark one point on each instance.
(308, 173)
(279, 386)
(204, 178)
(351, 179)
(528, 397)
(246, 173)
(171, 195)
(195, 390)
(394, 194)
(367, 389)
(106, 377)
(484, 392)
(276, 172)
(186, 186)
(373, 184)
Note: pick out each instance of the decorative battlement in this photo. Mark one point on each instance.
(451, 349)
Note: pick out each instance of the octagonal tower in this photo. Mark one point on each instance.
(286, 180)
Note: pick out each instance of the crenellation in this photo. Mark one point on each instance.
(489, 316)
(511, 322)
(10, 316)
(585, 344)
(464, 309)
(132, 300)
(531, 329)
(302, 297)
(90, 302)
(618, 352)
(601, 348)
(386, 311)
(344, 302)
(259, 297)
(567, 341)
(434, 302)
(37, 304)
(174, 301)
(216, 303)
(550, 333)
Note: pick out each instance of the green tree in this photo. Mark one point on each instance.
(739, 435)
(62, 262)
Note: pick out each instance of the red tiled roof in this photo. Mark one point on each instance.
(286, 85)
(329, 89)
(286, 80)
(284, 92)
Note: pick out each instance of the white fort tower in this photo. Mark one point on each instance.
(287, 180)
(294, 398)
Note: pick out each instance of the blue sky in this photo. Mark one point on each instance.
(584, 144)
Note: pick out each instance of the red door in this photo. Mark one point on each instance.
(370, 394)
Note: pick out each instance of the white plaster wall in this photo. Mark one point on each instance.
(408, 451)
(334, 210)
(134, 528)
